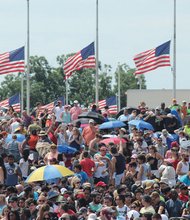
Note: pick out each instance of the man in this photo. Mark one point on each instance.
(58, 111)
(80, 174)
(27, 120)
(13, 172)
(75, 111)
(186, 179)
(124, 116)
(95, 205)
(89, 133)
(174, 105)
(31, 205)
(88, 166)
(13, 203)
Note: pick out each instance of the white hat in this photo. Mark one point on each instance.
(75, 102)
(92, 216)
(133, 213)
(63, 190)
(91, 121)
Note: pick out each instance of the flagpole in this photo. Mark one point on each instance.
(28, 65)
(174, 53)
(119, 89)
(67, 96)
(22, 92)
(97, 84)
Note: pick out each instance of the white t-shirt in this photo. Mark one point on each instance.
(122, 212)
(24, 166)
(57, 110)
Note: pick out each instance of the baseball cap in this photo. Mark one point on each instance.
(101, 183)
(91, 121)
(75, 102)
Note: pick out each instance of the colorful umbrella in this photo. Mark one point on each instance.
(115, 140)
(112, 124)
(48, 172)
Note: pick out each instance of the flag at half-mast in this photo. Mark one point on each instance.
(153, 59)
(83, 59)
(13, 61)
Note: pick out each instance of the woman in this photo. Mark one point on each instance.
(61, 135)
(130, 175)
(93, 146)
(13, 215)
(46, 216)
(144, 170)
(75, 139)
(157, 160)
(147, 207)
(2, 171)
(5, 213)
(44, 209)
(53, 154)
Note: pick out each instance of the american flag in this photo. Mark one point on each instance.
(13, 101)
(153, 59)
(13, 61)
(83, 59)
(110, 102)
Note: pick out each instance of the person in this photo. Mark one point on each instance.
(14, 147)
(185, 179)
(183, 165)
(65, 115)
(61, 135)
(122, 209)
(147, 207)
(75, 139)
(174, 205)
(93, 145)
(158, 204)
(89, 133)
(13, 172)
(13, 215)
(124, 116)
(88, 166)
(53, 154)
(75, 111)
(80, 173)
(95, 205)
(144, 170)
(24, 164)
(2, 171)
(58, 111)
(118, 163)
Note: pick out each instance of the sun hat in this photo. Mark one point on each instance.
(91, 121)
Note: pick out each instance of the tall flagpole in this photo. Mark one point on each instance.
(67, 97)
(119, 88)
(97, 84)
(22, 92)
(174, 53)
(28, 65)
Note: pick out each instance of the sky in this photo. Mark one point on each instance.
(126, 28)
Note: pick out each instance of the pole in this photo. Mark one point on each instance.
(119, 89)
(67, 97)
(22, 92)
(97, 84)
(174, 53)
(28, 65)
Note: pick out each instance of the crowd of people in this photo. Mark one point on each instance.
(120, 173)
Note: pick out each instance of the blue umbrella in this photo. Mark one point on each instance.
(20, 138)
(140, 124)
(66, 149)
(112, 124)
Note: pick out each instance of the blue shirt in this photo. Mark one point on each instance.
(12, 178)
(185, 179)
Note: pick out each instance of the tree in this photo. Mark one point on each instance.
(127, 81)
(105, 83)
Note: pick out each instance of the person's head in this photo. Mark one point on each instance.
(46, 216)
(103, 151)
(185, 157)
(65, 216)
(2, 199)
(85, 154)
(136, 205)
(113, 150)
(184, 189)
(41, 200)
(141, 159)
(152, 149)
(146, 200)
(77, 168)
(76, 131)
(96, 197)
(13, 202)
(14, 137)
(75, 103)
(108, 201)
(155, 196)
(11, 159)
(128, 198)
(13, 215)
(5, 211)
(91, 123)
(120, 200)
(21, 202)
(53, 148)
(31, 204)
(59, 103)
(132, 166)
(173, 194)
(75, 182)
(26, 153)
(70, 126)
(156, 216)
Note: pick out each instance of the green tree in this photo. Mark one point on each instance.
(105, 82)
(127, 81)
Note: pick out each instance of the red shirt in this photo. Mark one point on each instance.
(183, 198)
(87, 165)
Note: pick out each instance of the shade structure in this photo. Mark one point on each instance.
(115, 140)
(140, 124)
(112, 124)
(48, 172)
(20, 137)
(99, 119)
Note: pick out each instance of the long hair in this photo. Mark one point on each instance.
(3, 167)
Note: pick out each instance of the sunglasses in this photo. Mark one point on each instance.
(41, 200)
(78, 182)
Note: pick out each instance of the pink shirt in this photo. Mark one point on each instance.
(75, 112)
